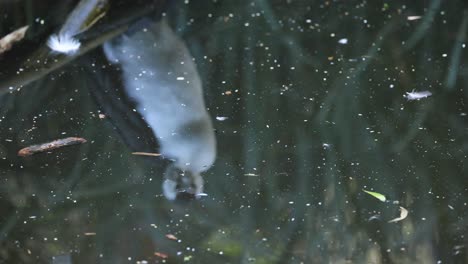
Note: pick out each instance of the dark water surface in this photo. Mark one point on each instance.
(307, 102)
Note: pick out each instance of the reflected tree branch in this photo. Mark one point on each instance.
(424, 26)
(452, 71)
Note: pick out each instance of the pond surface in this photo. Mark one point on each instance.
(311, 104)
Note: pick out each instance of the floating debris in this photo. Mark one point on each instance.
(102, 116)
(417, 95)
(146, 154)
(411, 18)
(228, 92)
(343, 41)
(171, 237)
(161, 255)
(59, 143)
(374, 217)
(198, 195)
(377, 195)
(7, 41)
(90, 233)
(63, 44)
(221, 118)
(251, 174)
(326, 145)
(403, 215)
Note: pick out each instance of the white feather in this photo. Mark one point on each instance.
(417, 95)
(63, 44)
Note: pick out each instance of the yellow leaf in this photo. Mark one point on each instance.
(377, 195)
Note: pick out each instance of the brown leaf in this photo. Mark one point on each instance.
(161, 255)
(7, 41)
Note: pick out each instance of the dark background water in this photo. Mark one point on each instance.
(311, 123)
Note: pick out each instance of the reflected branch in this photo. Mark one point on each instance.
(424, 26)
(338, 85)
(456, 54)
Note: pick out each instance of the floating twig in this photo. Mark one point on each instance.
(146, 154)
(59, 143)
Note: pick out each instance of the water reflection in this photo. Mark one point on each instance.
(312, 121)
(161, 78)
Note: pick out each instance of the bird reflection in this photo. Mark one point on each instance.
(161, 79)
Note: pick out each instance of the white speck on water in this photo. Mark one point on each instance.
(221, 118)
(410, 18)
(343, 41)
(180, 78)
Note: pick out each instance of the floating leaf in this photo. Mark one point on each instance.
(7, 42)
(171, 237)
(377, 195)
(161, 255)
(403, 215)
